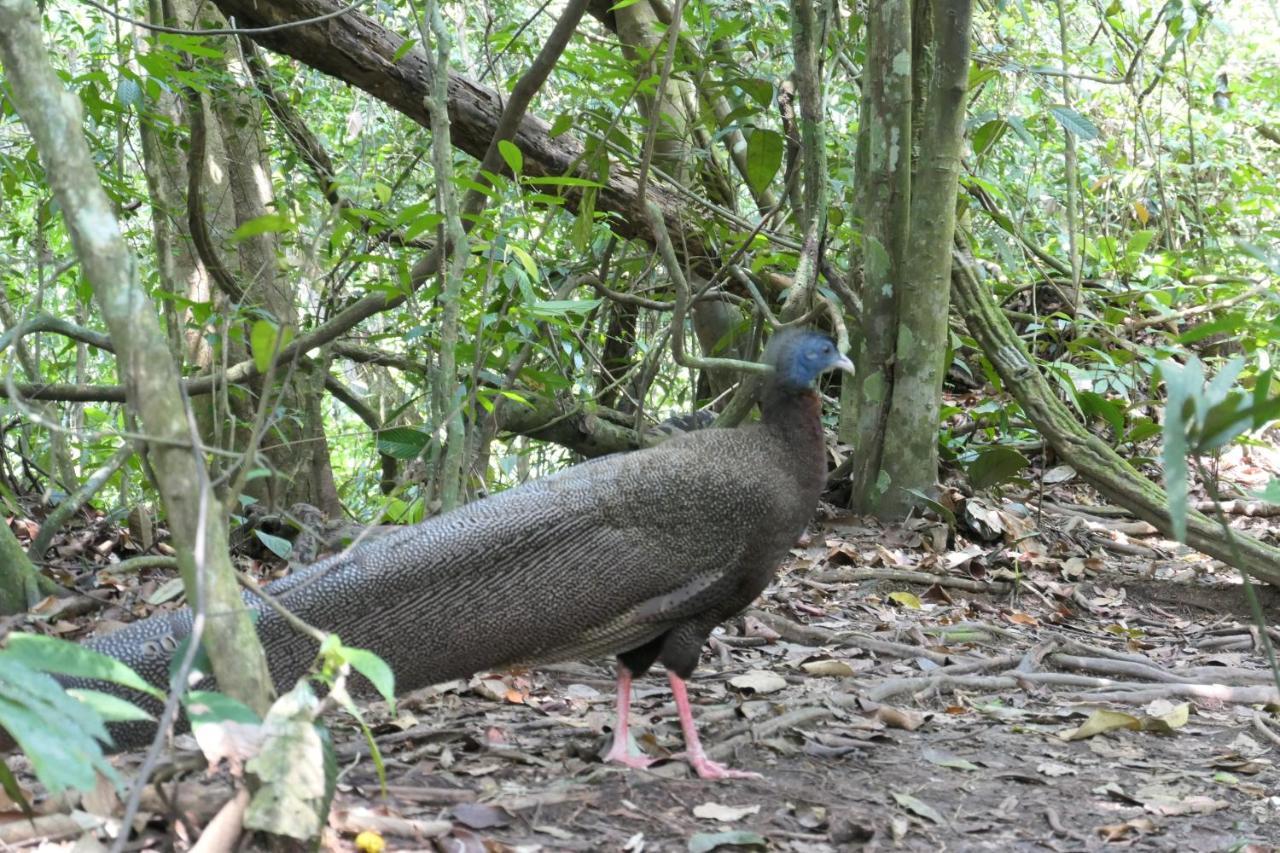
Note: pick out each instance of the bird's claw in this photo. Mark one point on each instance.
(628, 758)
(708, 769)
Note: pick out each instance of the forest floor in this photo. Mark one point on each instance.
(1055, 677)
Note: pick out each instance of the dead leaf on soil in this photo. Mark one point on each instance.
(759, 681)
(918, 807)
(909, 600)
(1125, 831)
(723, 813)
(827, 668)
(705, 842)
(900, 718)
(480, 815)
(1100, 722)
(946, 759)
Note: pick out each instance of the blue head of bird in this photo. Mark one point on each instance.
(800, 357)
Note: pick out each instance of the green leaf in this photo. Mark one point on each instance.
(560, 307)
(764, 156)
(1181, 383)
(268, 223)
(59, 734)
(1096, 405)
(403, 50)
(995, 465)
(1271, 494)
(277, 545)
(375, 669)
(987, 135)
(110, 707)
(207, 707)
(403, 442)
(561, 125)
(49, 654)
(61, 756)
(918, 807)
(525, 259)
(1075, 123)
(262, 342)
(511, 154)
(14, 791)
(562, 181)
(758, 89)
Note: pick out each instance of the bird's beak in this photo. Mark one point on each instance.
(843, 364)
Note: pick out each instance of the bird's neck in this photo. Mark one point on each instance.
(795, 418)
(798, 412)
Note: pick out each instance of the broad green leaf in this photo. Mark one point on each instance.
(1075, 123)
(560, 307)
(1096, 405)
(376, 670)
(562, 124)
(49, 654)
(262, 342)
(110, 707)
(525, 259)
(758, 89)
(987, 135)
(764, 156)
(277, 545)
(61, 755)
(995, 465)
(205, 707)
(59, 734)
(511, 154)
(918, 807)
(268, 223)
(402, 442)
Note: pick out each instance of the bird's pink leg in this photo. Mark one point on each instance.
(703, 766)
(621, 749)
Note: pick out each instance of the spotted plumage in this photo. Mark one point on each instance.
(639, 555)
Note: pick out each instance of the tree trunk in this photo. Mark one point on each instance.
(884, 213)
(925, 288)
(196, 516)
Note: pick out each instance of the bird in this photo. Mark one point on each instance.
(639, 555)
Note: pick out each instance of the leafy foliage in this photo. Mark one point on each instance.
(60, 731)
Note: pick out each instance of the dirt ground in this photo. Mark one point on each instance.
(1053, 679)
(958, 757)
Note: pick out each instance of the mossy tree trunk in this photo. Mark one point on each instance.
(924, 292)
(883, 209)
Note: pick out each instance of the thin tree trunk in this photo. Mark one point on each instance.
(925, 289)
(196, 517)
(884, 215)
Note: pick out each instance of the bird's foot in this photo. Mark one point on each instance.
(708, 769)
(621, 754)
